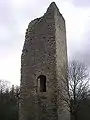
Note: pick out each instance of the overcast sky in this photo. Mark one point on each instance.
(15, 16)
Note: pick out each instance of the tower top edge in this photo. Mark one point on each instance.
(53, 7)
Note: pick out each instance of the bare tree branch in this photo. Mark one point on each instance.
(78, 78)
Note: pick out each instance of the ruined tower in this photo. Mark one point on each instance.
(44, 69)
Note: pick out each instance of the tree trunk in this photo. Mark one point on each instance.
(74, 115)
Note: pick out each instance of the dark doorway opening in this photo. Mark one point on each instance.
(42, 80)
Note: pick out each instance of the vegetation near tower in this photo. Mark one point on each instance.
(79, 89)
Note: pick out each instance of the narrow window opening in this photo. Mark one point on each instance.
(42, 80)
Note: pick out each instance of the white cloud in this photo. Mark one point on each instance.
(81, 3)
(76, 22)
(16, 14)
(5, 33)
(10, 68)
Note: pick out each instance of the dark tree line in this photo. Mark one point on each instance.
(8, 101)
(78, 101)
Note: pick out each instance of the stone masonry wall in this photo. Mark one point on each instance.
(61, 67)
(44, 53)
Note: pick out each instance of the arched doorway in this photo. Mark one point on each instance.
(42, 83)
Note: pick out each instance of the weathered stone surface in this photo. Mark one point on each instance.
(44, 53)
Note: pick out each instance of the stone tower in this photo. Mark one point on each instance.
(44, 69)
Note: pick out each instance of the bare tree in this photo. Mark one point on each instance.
(78, 85)
(4, 85)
